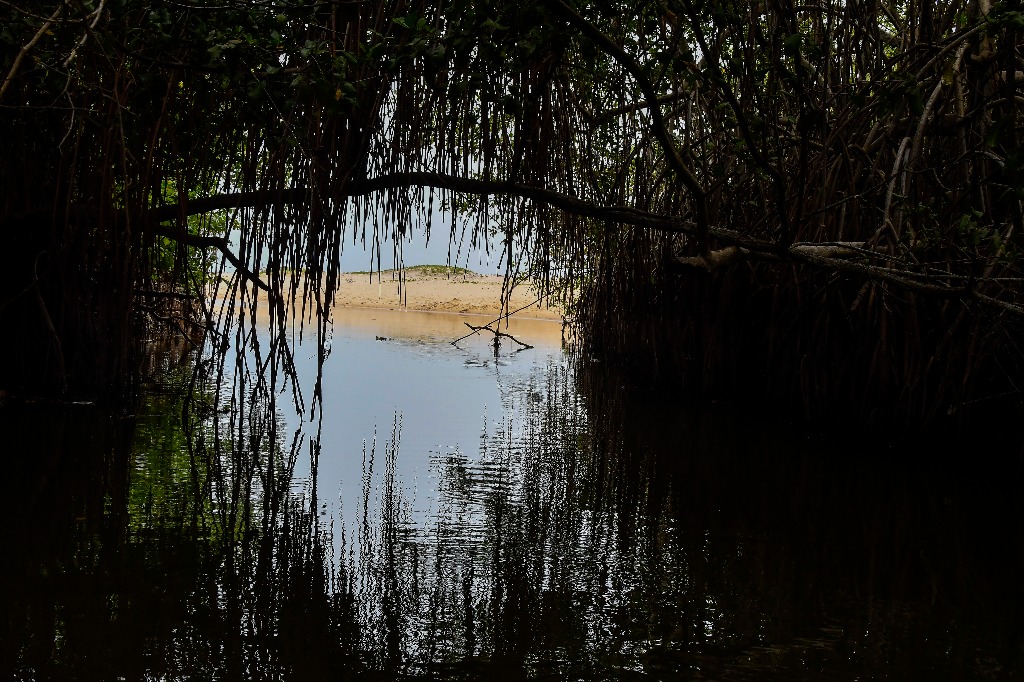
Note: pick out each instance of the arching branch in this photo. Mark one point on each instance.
(850, 258)
(219, 243)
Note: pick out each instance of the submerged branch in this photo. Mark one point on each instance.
(497, 337)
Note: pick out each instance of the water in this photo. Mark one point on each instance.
(388, 365)
(517, 518)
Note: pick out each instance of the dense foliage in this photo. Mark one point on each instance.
(815, 203)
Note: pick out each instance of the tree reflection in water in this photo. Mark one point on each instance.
(598, 534)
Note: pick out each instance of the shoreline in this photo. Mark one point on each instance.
(429, 289)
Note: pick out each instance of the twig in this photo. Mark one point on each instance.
(28, 46)
(498, 319)
(219, 243)
(497, 336)
(659, 127)
(85, 34)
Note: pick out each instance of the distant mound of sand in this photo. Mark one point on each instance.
(438, 288)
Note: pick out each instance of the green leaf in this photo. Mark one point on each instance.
(791, 44)
(492, 24)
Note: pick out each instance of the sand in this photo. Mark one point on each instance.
(428, 289)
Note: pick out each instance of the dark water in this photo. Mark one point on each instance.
(560, 527)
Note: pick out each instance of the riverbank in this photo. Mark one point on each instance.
(438, 289)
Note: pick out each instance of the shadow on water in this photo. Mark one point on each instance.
(596, 533)
(137, 552)
(624, 536)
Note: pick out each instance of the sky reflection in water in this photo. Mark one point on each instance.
(523, 521)
(389, 365)
(527, 520)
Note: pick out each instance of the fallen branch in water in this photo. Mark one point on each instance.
(498, 319)
(497, 337)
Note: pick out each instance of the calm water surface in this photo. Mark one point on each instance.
(473, 517)
(397, 375)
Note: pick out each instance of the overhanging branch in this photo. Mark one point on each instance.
(219, 243)
(658, 125)
(844, 257)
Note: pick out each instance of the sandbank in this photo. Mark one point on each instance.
(436, 289)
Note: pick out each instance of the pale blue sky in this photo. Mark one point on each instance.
(416, 250)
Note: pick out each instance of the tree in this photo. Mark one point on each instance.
(817, 203)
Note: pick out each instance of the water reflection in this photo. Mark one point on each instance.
(444, 394)
(581, 530)
(624, 536)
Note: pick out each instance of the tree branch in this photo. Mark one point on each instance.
(675, 161)
(27, 47)
(219, 243)
(497, 337)
(837, 256)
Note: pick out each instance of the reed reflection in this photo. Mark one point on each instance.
(145, 551)
(614, 534)
(596, 532)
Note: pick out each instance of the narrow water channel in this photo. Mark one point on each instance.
(470, 516)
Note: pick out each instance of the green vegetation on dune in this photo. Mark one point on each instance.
(440, 271)
(424, 271)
